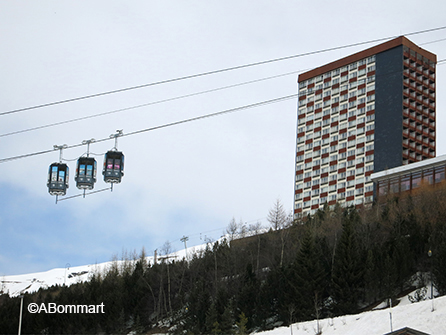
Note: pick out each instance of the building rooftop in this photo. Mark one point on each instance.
(413, 167)
(401, 40)
(407, 331)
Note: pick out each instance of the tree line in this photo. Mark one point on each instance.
(337, 262)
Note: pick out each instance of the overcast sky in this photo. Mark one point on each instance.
(185, 180)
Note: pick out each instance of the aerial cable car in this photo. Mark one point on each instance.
(86, 170)
(113, 169)
(58, 175)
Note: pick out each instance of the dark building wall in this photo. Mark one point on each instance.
(389, 109)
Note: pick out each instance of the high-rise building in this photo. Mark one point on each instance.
(367, 112)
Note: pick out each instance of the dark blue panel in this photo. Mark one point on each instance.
(389, 109)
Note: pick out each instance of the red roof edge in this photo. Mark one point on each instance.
(401, 40)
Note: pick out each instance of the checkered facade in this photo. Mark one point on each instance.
(337, 115)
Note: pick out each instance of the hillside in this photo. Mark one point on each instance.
(418, 316)
(336, 263)
(32, 282)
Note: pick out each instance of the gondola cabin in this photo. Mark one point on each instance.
(85, 173)
(58, 176)
(113, 167)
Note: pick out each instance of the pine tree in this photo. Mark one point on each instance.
(211, 318)
(227, 321)
(248, 295)
(309, 278)
(347, 276)
(216, 328)
(241, 325)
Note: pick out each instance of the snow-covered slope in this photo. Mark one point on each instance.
(418, 316)
(29, 283)
(14, 285)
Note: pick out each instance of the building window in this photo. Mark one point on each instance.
(394, 186)
(382, 186)
(405, 184)
(416, 180)
(439, 175)
(428, 176)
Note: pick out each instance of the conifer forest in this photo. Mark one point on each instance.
(340, 261)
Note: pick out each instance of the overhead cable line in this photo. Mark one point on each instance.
(147, 104)
(159, 102)
(4, 160)
(227, 111)
(436, 41)
(214, 72)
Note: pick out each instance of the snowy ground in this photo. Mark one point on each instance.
(14, 285)
(418, 316)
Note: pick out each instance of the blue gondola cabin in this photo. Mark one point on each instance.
(58, 176)
(85, 173)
